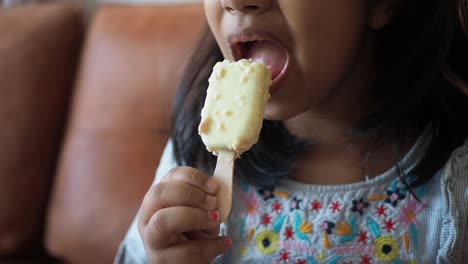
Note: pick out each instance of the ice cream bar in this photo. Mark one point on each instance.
(232, 118)
(234, 107)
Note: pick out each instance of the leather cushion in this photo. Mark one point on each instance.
(120, 123)
(39, 49)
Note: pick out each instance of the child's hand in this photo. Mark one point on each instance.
(179, 222)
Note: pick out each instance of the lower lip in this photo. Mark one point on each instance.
(275, 85)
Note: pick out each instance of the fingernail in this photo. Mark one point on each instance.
(214, 216)
(210, 200)
(211, 185)
(227, 242)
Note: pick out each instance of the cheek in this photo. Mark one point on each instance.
(216, 21)
(327, 41)
(327, 49)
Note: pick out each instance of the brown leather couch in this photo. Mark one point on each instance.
(85, 112)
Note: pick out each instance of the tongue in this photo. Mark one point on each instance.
(269, 53)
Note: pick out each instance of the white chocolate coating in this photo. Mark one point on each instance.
(235, 103)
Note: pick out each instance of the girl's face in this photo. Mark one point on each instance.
(320, 52)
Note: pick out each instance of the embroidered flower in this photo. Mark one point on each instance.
(409, 211)
(327, 226)
(362, 237)
(252, 208)
(321, 256)
(386, 248)
(267, 193)
(301, 261)
(276, 206)
(289, 233)
(358, 206)
(389, 225)
(266, 219)
(295, 204)
(394, 196)
(284, 256)
(267, 242)
(316, 206)
(335, 207)
(381, 210)
(365, 260)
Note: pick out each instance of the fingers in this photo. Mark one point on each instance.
(165, 225)
(178, 215)
(196, 251)
(182, 186)
(193, 177)
(202, 234)
(169, 194)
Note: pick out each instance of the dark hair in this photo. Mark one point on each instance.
(422, 60)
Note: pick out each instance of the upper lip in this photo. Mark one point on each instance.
(237, 39)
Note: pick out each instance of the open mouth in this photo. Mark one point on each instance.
(267, 52)
(271, 53)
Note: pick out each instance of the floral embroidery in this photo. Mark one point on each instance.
(376, 197)
(301, 261)
(266, 193)
(316, 206)
(321, 256)
(305, 227)
(278, 224)
(394, 196)
(326, 242)
(284, 256)
(389, 225)
(267, 242)
(376, 228)
(335, 207)
(327, 226)
(386, 248)
(358, 206)
(251, 233)
(409, 211)
(252, 207)
(381, 210)
(266, 220)
(343, 229)
(348, 231)
(302, 228)
(289, 233)
(414, 235)
(362, 237)
(276, 207)
(365, 260)
(295, 204)
(405, 239)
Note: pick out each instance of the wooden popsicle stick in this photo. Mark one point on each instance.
(223, 174)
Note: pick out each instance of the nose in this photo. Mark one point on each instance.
(246, 6)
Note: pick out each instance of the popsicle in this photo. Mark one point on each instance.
(232, 118)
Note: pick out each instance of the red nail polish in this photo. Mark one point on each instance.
(214, 216)
(228, 242)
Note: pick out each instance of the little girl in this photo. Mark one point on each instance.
(362, 157)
